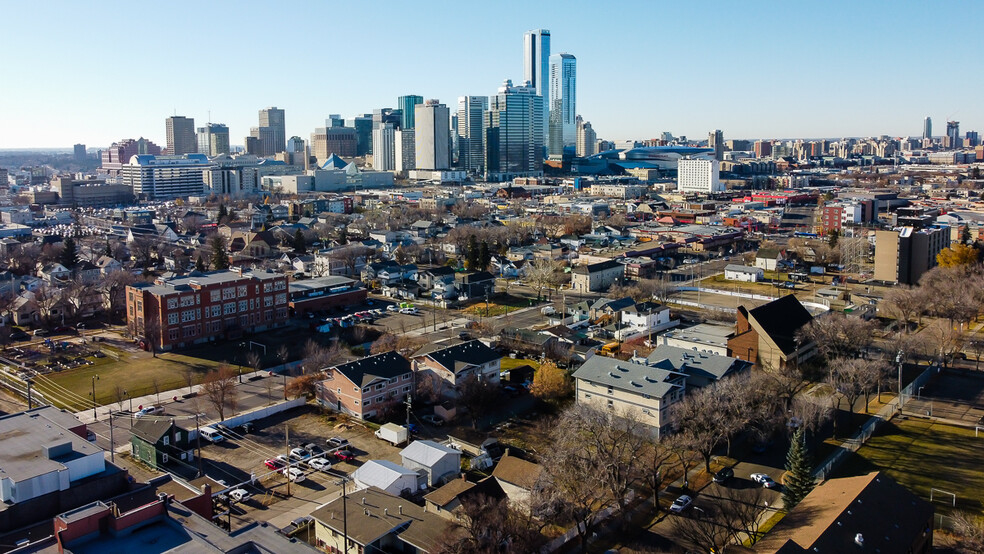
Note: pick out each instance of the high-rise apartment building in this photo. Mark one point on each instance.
(928, 128)
(180, 135)
(563, 104)
(432, 135)
(406, 106)
(536, 63)
(273, 118)
(715, 140)
(471, 132)
(213, 139)
(406, 153)
(79, 151)
(587, 139)
(904, 255)
(697, 175)
(384, 148)
(514, 133)
(952, 138)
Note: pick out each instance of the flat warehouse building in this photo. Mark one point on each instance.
(175, 313)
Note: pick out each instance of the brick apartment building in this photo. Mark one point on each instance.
(367, 388)
(203, 307)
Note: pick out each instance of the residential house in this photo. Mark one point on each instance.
(701, 368)
(428, 278)
(423, 229)
(108, 264)
(373, 521)
(743, 273)
(387, 476)
(867, 513)
(434, 461)
(475, 284)
(54, 273)
(88, 272)
(157, 442)
(596, 277)
(517, 477)
(768, 258)
(630, 387)
(529, 340)
(441, 370)
(367, 387)
(253, 245)
(446, 500)
(644, 318)
(769, 334)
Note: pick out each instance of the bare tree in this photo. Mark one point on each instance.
(113, 290)
(486, 524)
(156, 384)
(318, 357)
(48, 299)
(967, 536)
(855, 377)
(220, 389)
(189, 375)
(946, 340)
(726, 521)
(254, 361)
(904, 303)
(119, 393)
(698, 418)
(350, 256)
(542, 274)
(283, 354)
(839, 336)
(476, 396)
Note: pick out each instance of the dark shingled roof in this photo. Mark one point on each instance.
(456, 358)
(150, 429)
(381, 366)
(781, 319)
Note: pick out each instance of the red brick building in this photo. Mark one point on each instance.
(176, 313)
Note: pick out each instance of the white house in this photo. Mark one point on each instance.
(644, 318)
(748, 274)
(388, 476)
(436, 461)
(768, 258)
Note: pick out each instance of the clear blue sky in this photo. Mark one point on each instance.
(98, 72)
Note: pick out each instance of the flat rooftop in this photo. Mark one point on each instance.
(24, 435)
(703, 333)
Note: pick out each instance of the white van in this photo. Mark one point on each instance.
(210, 434)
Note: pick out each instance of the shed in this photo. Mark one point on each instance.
(435, 461)
(388, 476)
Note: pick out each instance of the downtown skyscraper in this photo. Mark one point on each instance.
(514, 139)
(536, 62)
(562, 130)
(471, 132)
(406, 106)
(927, 128)
(432, 135)
(180, 133)
(273, 118)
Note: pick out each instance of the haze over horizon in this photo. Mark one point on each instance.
(834, 69)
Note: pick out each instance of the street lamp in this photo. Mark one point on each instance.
(898, 361)
(130, 398)
(239, 360)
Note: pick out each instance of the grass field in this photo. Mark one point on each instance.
(513, 363)
(922, 455)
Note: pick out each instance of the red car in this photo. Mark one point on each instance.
(273, 463)
(345, 455)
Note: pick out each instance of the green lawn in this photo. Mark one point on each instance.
(513, 363)
(922, 455)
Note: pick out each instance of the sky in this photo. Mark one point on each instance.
(94, 73)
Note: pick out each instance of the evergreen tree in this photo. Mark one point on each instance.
(965, 235)
(472, 253)
(799, 467)
(484, 257)
(109, 249)
(832, 238)
(220, 257)
(200, 264)
(69, 254)
(223, 213)
(299, 246)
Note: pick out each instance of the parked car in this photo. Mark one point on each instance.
(240, 495)
(337, 442)
(299, 454)
(764, 480)
(273, 463)
(434, 420)
(90, 436)
(345, 455)
(392, 308)
(724, 475)
(293, 474)
(19, 335)
(313, 449)
(41, 333)
(296, 525)
(319, 464)
(681, 503)
(150, 410)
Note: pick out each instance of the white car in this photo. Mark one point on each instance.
(319, 464)
(681, 503)
(293, 474)
(240, 495)
(764, 480)
(392, 308)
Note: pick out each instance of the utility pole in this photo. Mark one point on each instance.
(285, 386)
(198, 440)
(112, 442)
(94, 377)
(30, 403)
(409, 406)
(344, 518)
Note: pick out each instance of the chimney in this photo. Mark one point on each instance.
(363, 501)
(401, 509)
(386, 512)
(506, 452)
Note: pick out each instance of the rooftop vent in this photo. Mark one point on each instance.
(859, 539)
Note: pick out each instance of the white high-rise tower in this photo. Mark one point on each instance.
(536, 62)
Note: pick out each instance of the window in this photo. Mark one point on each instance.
(367, 389)
(611, 403)
(281, 298)
(228, 293)
(188, 332)
(241, 291)
(586, 395)
(406, 389)
(368, 401)
(187, 301)
(393, 381)
(164, 458)
(229, 308)
(280, 285)
(172, 319)
(216, 310)
(268, 315)
(167, 440)
(611, 389)
(267, 301)
(187, 315)
(216, 295)
(173, 334)
(177, 436)
(406, 377)
(380, 386)
(268, 287)
(243, 306)
(339, 390)
(172, 303)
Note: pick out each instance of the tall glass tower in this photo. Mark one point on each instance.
(471, 132)
(562, 130)
(536, 61)
(514, 140)
(406, 104)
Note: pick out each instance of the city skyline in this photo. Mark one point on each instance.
(712, 66)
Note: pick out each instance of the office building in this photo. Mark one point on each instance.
(698, 175)
(952, 138)
(174, 313)
(384, 148)
(563, 99)
(335, 120)
(213, 139)
(165, 177)
(119, 154)
(971, 140)
(432, 135)
(536, 62)
(471, 132)
(927, 128)
(904, 255)
(514, 134)
(295, 145)
(273, 118)
(406, 153)
(381, 116)
(763, 149)
(362, 124)
(406, 106)
(341, 141)
(180, 135)
(265, 142)
(587, 139)
(79, 150)
(715, 140)
(90, 193)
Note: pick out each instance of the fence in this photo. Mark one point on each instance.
(864, 433)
